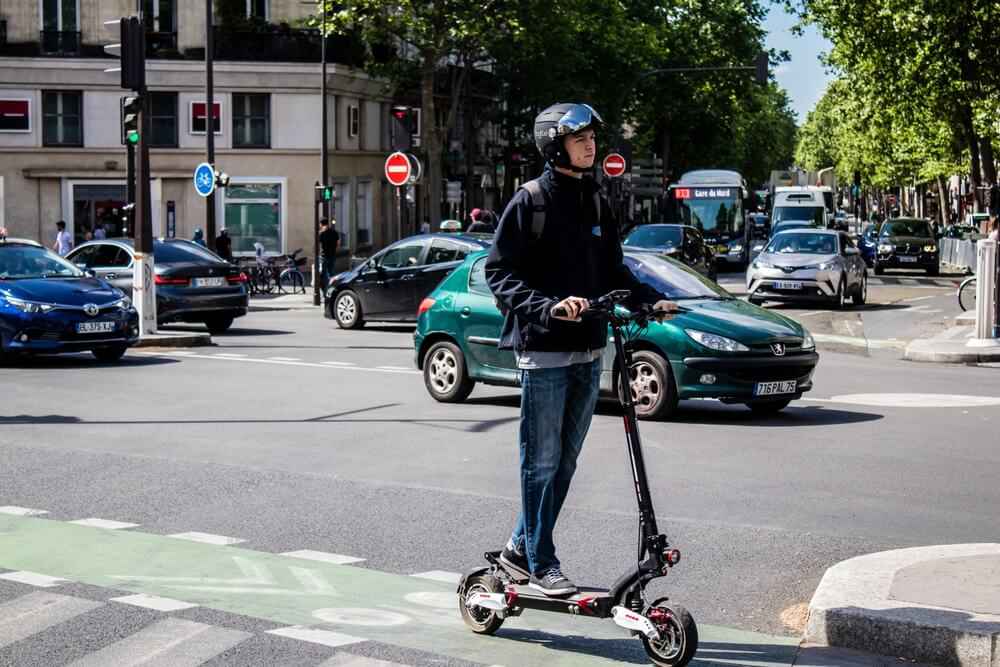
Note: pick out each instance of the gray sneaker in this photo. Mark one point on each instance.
(552, 582)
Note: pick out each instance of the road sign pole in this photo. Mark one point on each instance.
(317, 270)
(130, 186)
(210, 122)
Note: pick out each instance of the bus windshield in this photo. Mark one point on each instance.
(714, 216)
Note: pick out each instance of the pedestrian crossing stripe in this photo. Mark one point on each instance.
(36, 612)
(170, 642)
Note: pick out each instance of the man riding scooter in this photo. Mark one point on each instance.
(556, 247)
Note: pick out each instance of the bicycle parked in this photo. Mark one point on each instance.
(967, 294)
(270, 273)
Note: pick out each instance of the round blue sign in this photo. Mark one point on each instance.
(204, 179)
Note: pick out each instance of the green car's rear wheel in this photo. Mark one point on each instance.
(445, 375)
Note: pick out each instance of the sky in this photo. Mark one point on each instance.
(803, 77)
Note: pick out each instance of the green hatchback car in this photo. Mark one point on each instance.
(719, 347)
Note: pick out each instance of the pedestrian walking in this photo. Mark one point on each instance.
(329, 241)
(64, 242)
(99, 232)
(557, 246)
(224, 246)
(994, 228)
(199, 236)
(480, 222)
(425, 226)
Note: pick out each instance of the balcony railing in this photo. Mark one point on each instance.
(60, 42)
(283, 44)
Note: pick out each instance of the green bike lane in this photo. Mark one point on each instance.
(355, 602)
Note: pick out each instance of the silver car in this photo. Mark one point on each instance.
(808, 265)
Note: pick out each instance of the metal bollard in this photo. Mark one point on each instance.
(986, 293)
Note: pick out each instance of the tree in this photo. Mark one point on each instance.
(437, 43)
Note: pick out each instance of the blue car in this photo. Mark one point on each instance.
(49, 306)
(868, 244)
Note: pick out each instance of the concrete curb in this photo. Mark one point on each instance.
(853, 608)
(175, 340)
(949, 351)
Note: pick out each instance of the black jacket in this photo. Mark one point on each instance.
(578, 254)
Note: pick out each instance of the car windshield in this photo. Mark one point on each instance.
(803, 242)
(809, 214)
(182, 251)
(19, 262)
(674, 279)
(907, 228)
(651, 236)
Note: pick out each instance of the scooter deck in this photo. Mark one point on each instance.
(587, 601)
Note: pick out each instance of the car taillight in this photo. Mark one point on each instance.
(425, 305)
(237, 279)
(160, 280)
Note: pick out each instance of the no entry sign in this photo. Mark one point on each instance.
(614, 165)
(397, 169)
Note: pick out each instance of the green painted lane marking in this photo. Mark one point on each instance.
(390, 608)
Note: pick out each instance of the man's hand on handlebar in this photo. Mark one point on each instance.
(570, 308)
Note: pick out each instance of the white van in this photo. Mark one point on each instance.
(799, 206)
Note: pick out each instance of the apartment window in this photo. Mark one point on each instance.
(340, 211)
(257, 8)
(163, 120)
(353, 121)
(251, 121)
(362, 201)
(159, 15)
(198, 117)
(62, 118)
(253, 215)
(60, 15)
(15, 115)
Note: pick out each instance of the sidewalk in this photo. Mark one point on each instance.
(264, 302)
(954, 345)
(938, 604)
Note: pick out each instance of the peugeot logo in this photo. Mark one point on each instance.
(778, 349)
(91, 309)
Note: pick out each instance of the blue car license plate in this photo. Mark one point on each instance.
(94, 327)
(774, 388)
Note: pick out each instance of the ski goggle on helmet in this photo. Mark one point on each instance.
(578, 118)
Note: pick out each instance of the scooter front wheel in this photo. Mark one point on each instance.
(482, 621)
(678, 635)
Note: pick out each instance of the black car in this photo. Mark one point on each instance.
(390, 285)
(681, 242)
(193, 284)
(907, 243)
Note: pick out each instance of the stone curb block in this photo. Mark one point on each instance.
(176, 340)
(946, 351)
(852, 609)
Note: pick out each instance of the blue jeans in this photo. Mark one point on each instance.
(557, 405)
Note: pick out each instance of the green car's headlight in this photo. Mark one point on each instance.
(807, 341)
(716, 342)
(29, 306)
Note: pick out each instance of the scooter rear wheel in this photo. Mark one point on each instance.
(678, 631)
(482, 621)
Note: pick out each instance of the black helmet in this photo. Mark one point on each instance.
(558, 121)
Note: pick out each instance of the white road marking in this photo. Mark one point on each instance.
(931, 311)
(21, 511)
(312, 582)
(810, 313)
(339, 363)
(361, 616)
(316, 636)
(154, 602)
(439, 575)
(351, 660)
(323, 557)
(876, 281)
(944, 283)
(171, 642)
(284, 359)
(917, 400)
(208, 538)
(859, 342)
(232, 355)
(176, 353)
(304, 364)
(917, 309)
(395, 368)
(908, 281)
(30, 614)
(104, 523)
(918, 298)
(33, 579)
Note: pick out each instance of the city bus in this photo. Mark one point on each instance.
(714, 201)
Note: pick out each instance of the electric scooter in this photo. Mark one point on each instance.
(487, 595)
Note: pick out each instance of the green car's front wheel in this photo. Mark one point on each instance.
(652, 385)
(445, 375)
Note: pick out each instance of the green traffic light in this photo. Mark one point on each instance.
(132, 136)
(327, 194)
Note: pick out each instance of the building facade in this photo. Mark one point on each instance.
(61, 150)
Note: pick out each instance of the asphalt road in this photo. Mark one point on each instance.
(291, 435)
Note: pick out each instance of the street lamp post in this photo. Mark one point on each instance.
(323, 159)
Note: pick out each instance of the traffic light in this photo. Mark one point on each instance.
(130, 107)
(324, 193)
(131, 48)
(404, 125)
(760, 68)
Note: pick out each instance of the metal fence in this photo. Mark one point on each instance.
(960, 253)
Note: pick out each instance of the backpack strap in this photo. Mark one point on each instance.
(539, 206)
